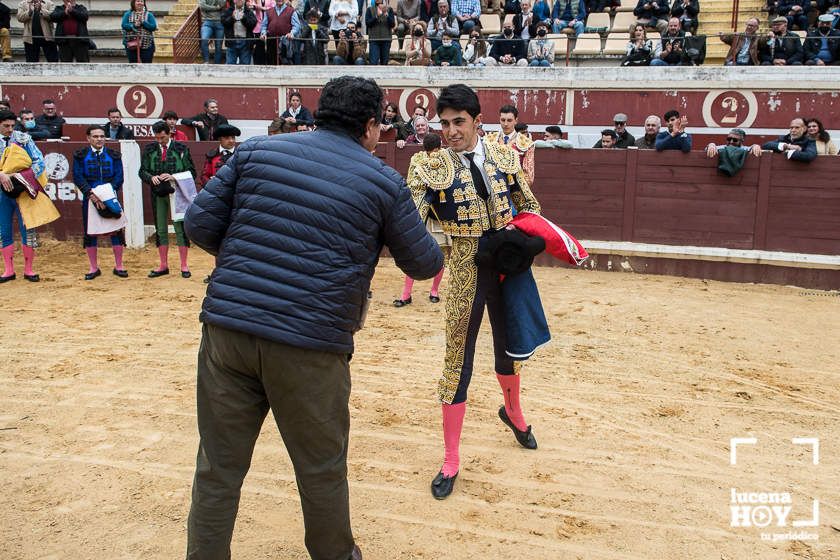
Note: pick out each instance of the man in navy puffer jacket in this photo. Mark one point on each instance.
(297, 222)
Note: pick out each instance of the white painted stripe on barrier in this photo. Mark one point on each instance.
(132, 194)
(750, 256)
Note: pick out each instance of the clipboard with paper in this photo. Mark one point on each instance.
(185, 193)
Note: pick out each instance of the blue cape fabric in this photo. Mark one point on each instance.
(525, 323)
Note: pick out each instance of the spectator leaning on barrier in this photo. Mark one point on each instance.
(822, 46)
(115, 129)
(569, 14)
(648, 141)
(608, 139)
(735, 139)
(211, 28)
(381, 21)
(279, 28)
(171, 119)
(5, 36)
(71, 32)
(238, 21)
(640, 50)
(50, 119)
(442, 23)
(467, 12)
(672, 48)
(743, 47)
(37, 30)
(623, 139)
(138, 26)
(206, 122)
(507, 49)
(540, 48)
(553, 139)
(653, 13)
(28, 125)
(391, 120)
(816, 131)
(675, 138)
(686, 12)
(313, 41)
(795, 145)
(782, 47)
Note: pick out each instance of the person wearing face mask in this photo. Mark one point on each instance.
(540, 49)
(447, 54)
(507, 49)
(822, 46)
(313, 40)
(27, 124)
(418, 50)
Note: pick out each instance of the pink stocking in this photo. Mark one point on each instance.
(453, 421)
(510, 389)
(118, 256)
(28, 260)
(436, 283)
(8, 260)
(182, 252)
(409, 283)
(91, 253)
(163, 252)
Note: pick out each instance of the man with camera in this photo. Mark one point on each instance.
(673, 46)
(351, 47)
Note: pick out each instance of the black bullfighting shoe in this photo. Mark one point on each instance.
(526, 439)
(442, 485)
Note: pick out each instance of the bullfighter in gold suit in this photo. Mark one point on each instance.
(519, 142)
(469, 188)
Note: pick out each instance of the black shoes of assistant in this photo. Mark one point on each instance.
(442, 485)
(526, 439)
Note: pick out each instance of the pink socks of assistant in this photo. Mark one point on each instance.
(436, 283)
(453, 422)
(8, 261)
(510, 389)
(28, 260)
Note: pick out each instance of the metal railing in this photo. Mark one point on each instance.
(184, 46)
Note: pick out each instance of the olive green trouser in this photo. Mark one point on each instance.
(161, 212)
(241, 377)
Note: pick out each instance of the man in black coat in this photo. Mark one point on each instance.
(115, 129)
(239, 21)
(822, 47)
(297, 223)
(508, 49)
(206, 123)
(783, 47)
(71, 32)
(50, 119)
(795, 145)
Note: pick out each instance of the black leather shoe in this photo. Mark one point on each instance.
(434, 299)
(92, 275)
(207, 279)
(526, 439)
(442, 485)
(357, 554)
(121, 273)
(157, 273)
(402, 302)
(186, 274)
(4, 279)
(32, 277)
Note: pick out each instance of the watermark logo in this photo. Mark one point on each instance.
(772, 510)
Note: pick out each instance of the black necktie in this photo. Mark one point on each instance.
(478, 179)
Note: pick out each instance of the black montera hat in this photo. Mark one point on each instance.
(226, 130)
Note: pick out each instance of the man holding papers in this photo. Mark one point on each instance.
(160, 164)
(97, 166)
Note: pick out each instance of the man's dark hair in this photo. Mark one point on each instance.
(510, 109)
(296, 94)
(459, 97)
(7, 116)
(170, 115)
(93, 127)
(670, 114)
(520, 127)
(313, 13)
(449, 34)
(114, 110)
(160, 126)
(431, 142)
(5, 103)
(47, 102)
(25, 111)
(347, 104)
(425, 111)
(609, 132)
(554, 129)
(209, 101)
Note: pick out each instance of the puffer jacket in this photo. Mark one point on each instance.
(297, 222)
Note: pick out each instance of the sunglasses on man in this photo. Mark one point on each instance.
(732, 140)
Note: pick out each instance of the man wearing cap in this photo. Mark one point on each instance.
(783, 47)
(226, 135)
(822, 46)
(520, 143)
(623, 139)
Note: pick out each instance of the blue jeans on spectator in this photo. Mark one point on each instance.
(380, 51)
(801, 20)
(146, 55)
(660, 62)
(238, 52)
(561, 25)
(214, 30)
(338, 61)
(542, 63)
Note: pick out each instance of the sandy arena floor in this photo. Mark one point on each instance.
(633, 404)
